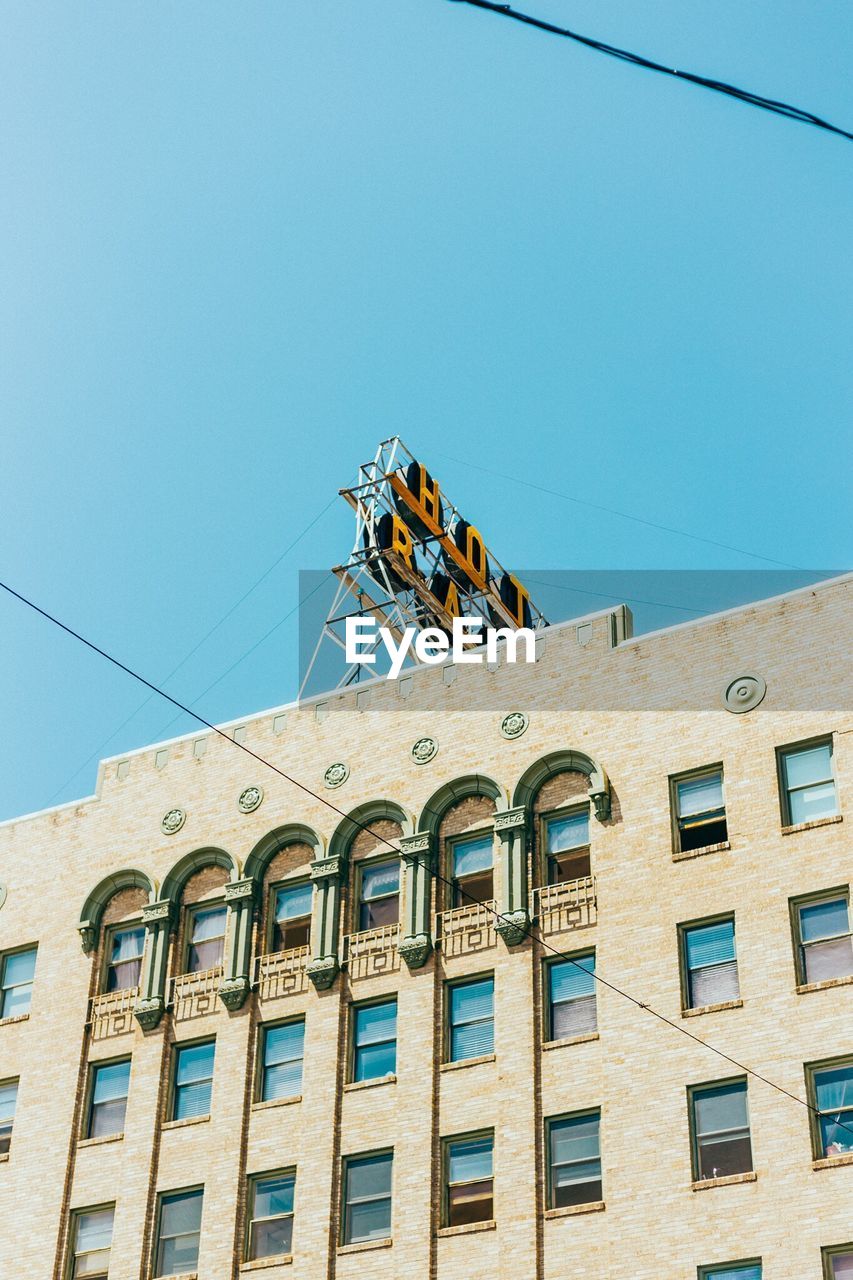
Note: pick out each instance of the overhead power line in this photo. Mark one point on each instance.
(705, 82)
(301, 786)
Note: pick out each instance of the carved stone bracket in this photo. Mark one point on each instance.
(88, 936)
(514, 927)
(322, 971)
(601, 804)
(152, 912)
(237, 889)
(328, 868)
(233, 992)
(149, 1011)
(415, 949)
(508, 819)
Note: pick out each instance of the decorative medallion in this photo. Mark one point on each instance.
(3, 892)
(336, 775)
(424, 750)
(250, 799)
(173, 821)
(744, 693)
(514, 725)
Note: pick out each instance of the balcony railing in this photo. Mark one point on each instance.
(464, 929)
(193, 994)
(372, 951)
(560, 907)
(282, 973)
(111, 1014)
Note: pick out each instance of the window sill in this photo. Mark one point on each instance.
(185, 1124)
(732, 1180)
(182, 1275)
(810, 826)
(712, 1008)
(466, 1228)
(586, 1038)
(571, 1210)
(364, 1245)
(277, 1260)
(276, 1102)
(466, 1062)
(99, 1142)
(683, 856)
(832, 1162)
(826, 985)
(18, 1017)
(355, 1085)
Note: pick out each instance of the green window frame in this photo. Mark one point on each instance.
(192, 1078)
(378, 894)
(281, 1059)
(472, 868)
(373, 1039)
(17, 976)
(698, 808)
(124, 947)
(290, 923)
(106, 1103)
(269, 1229)
(565, 845)
(367, 1197)
(573, 1158)
(90, 1242)
(822, 937)
(468, 1181)
(470, 1018)
(750, 1269)
(837, 1261)
(8, 1103)
(808, 788)
(204, 948)
(720, 1132)
(571, 999)
(829, 1087)
(179, 1216)
(708, 958)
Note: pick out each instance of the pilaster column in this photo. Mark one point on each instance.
(236, 982)
(151, 1005)
(324, 965)
(511, 831)
(418, 853)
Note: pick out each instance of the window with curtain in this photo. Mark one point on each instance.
(92, 1237)
(207, 939)
(367, 1198)
(271, 1215)
(832, 1093)
(292, 916)
(281, 1064)
(124, 965)
(721, 1140)
(700, 810)
(572, 1007)
(374, 1031)
(471, 1019)
(469, 1193)
(178, 1232)
(108, 1098)
(193, 1080)
(710, 963)
(379, 894)
(825, 944)
(472, 869)
(17, 971)
(808, 783)
(838, 1262)
(574, 1160)
(567, 847)
(733, 1271)
(8, 1100)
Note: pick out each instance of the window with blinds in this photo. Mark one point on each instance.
(178, 1232)
(721, 1140)
(808, 783)
(124, 966)
(469, 1173)
(207, 939)
(8, 1101)
(710, 963)
(574, 1159)
(17, 970)
(374, 1034)
(292, 916)
(108, 1090)
(732, 1271)
(193, 1080)
(91, 1240)
(472, 869)
(367, 1198)
(283, 1049)
(567, 846)
(270, 1215)
(471, 1019)
(572, 1006)
(831, 1089)
(700, 810)
(379, 895)
(825, 948)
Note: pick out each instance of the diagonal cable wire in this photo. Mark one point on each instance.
(301, 786)
(705, 82)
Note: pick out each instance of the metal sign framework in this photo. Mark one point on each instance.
(411, 590)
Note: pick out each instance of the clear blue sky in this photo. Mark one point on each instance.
(242, 243)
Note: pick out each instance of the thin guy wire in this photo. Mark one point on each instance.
(606, 595)
(705, 82)
(526, 931)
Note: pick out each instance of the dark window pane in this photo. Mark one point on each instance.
(379, 912)
(291, 933)
(470, 1202)
(722, 1157)
(473, 889)
(570, 1193)
(565, 867)
(271, 1238)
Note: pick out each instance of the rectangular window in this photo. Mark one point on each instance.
(473, 870)
(108, 1098)
(808, 783)
(572, 1009)
(700, 810)
(91, 1236)
(710, 963)
(374, 1032)
(207, 939)
(8, 1099)
(367, 1198)
(281, 1063)
(825, 947)
(838, 1262)
(124, 966)
(574, 1160)
(178, 1232)
(193, 1080)
(16, 982)
(831, 1089)
(732, 1271)
(271, 1215)
(292, 916)
(471, 1019)
(379, 896)
(721, 1141)
(567, 847)
(469, 1195)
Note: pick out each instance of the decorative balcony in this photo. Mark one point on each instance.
(192, 995)
(282, 973)
(562, 907)
(111, 1014)
(373, 951)
(465, 929)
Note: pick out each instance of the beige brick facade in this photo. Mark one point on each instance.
(645, 710)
